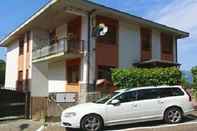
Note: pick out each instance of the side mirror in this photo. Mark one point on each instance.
(115, 102)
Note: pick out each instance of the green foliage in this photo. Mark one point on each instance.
(194, 83)
(136, 77)
(185, 83)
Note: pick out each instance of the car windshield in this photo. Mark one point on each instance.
(106, 98)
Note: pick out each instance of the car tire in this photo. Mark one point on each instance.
(92, 122)
(173, 115)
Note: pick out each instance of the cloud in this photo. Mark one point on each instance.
(181, 15)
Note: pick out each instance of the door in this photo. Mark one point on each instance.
(125, 111)
(149, 104)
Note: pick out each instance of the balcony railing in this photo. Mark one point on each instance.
(61, 46)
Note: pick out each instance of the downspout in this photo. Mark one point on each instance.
(89, 46)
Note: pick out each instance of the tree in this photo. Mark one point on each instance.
(137, 77)
(194, 81)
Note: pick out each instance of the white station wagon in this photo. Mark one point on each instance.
(168, 103)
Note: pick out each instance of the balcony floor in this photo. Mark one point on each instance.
(57, 57)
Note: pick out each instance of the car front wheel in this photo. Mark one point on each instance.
(92, 122)
(173, 115)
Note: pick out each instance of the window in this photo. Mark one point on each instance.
(145, 94)
(104, 72)
(111, 35)
(127, 97)
(73, 74)
(28, 40)
(146, 39)
(21, 46)
(167, 43)
(168, 92)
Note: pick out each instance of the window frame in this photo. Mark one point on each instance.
(21, 46)
(71, 69)
(146, 37)
(167, 42)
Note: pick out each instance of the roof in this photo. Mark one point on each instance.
(179, 33)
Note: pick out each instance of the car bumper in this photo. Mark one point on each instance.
(188, 112)
(70, 122)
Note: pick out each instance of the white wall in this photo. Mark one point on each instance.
(39, 79)
(56, 77)
(12, 65)
(129, 44)
(156, 45)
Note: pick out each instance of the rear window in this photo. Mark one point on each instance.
(168, 92)
(156, 93)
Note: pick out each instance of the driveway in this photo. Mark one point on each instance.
(19, 125)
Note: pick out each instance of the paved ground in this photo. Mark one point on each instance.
(189, 124)
(19, 125)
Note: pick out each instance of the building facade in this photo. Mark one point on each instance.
(55, 51)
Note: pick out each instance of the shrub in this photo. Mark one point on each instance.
(194, 81)
(136, 77)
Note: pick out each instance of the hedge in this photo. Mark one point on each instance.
(194, 81)
(136, 77)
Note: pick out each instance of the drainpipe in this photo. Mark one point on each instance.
(89, 45)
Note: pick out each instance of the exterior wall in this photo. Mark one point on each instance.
(56, 77)
(39, 79)
(156, 45)
(12, 66)
(129, 44)
(61, 31)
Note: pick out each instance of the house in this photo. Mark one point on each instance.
(55, 51)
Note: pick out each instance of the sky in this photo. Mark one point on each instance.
(175, 13)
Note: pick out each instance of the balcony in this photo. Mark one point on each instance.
(60, 48)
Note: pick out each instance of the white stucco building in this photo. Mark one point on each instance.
(55, 51)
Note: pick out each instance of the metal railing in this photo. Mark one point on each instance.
(62, 45)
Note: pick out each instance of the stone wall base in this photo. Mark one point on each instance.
(39, 107)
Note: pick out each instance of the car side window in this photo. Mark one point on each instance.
(169, 92)
(146, 94)
(127, 97)
(177, 92)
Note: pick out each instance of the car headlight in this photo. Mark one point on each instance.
(69, 114)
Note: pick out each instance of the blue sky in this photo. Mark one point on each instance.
(176, 13)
